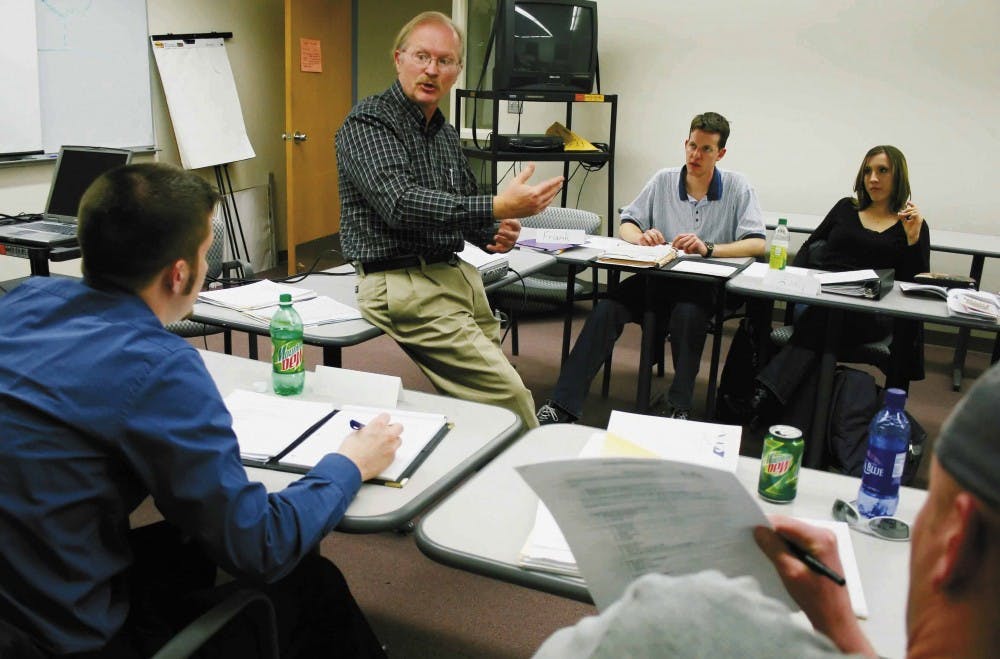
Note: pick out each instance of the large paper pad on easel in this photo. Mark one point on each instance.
(201, 96)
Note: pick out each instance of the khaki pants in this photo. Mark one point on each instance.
(440, 316)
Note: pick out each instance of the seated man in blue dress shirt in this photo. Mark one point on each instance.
(698, 208)
(101, 407)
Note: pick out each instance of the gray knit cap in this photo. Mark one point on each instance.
(969, 444)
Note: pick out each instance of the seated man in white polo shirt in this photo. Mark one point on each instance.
(698, 208)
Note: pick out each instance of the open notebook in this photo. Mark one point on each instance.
(293, 435)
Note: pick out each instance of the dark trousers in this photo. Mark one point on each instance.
(172, 583)
(684, 308)
(790, 367)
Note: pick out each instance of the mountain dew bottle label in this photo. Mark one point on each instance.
(779, 464)
(287, 357)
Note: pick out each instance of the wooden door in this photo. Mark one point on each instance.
(315, 106)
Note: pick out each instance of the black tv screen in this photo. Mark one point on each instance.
(546, 45)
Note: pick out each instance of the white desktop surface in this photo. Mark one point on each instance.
(341, 287)
(479, 432)
(482, 525)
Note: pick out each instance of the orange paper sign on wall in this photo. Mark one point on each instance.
(310, 56)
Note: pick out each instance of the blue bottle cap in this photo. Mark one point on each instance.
(895, 398)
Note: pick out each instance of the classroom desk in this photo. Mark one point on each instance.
(453, 533)
(479, 433)
(341, 287)
(978, 246)
(895, 304)
(583, 257)
(39, 257)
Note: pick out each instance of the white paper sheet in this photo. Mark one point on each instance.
(704, 268)
(626, 517)
(265, 424)
(345, 386)
(695, 442)
(320, 310)
(845, 548)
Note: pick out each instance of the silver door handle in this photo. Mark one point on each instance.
(297, 137)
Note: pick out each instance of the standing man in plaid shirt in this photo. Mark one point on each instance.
(408, 200)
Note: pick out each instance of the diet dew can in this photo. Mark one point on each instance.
(779, 464)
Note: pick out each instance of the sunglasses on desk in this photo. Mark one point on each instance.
(887, 528)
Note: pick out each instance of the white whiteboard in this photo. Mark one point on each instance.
(92, 59)
(20, 114)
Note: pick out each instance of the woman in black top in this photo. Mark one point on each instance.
(880, 229)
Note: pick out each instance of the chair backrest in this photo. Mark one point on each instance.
(215, 250)
(556, 217)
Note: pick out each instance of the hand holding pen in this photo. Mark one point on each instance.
(912, 221)
(813, 582)
(372, 446)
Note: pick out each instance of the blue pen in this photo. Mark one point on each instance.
(356, 425)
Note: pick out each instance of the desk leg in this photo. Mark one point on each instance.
(816, 440)
(252, 345)
(331, 356)
(38, 261)
(962, 343)
(645, 353)
(713, 370)
(568, 313)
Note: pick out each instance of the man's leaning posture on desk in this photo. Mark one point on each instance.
(952, 607)
(700, 209)
(408, 200)
(101, 407)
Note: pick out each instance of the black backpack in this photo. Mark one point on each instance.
(855, 401)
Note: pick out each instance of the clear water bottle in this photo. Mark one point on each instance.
(779, 246)
(288, 373)
(888, 442)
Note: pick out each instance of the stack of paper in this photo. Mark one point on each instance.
(974, 304)
(320, 310)
(260, 294)
(639, 256)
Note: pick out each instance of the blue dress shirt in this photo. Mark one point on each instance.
(100, 406)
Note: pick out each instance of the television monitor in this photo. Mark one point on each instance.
(545, 45)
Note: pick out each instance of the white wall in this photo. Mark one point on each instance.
(808, 86)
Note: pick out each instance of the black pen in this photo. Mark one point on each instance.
(356, 425)
(814, 563)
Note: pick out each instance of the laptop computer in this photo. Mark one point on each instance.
(76, 169)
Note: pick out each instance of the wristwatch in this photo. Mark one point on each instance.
(709, 248)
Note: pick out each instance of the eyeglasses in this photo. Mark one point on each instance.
(446, 64)
(887, 528)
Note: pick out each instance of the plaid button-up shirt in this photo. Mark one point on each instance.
(405, 186)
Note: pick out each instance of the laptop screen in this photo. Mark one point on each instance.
(76, 169)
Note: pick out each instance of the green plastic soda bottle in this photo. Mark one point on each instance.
(288, 373)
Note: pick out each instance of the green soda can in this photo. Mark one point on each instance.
(779, 464)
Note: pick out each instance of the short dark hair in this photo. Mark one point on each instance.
(711, 122)
(900, 178)
(136, 220)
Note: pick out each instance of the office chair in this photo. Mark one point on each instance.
(253, 604)
(546, 290)
(216, 268)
